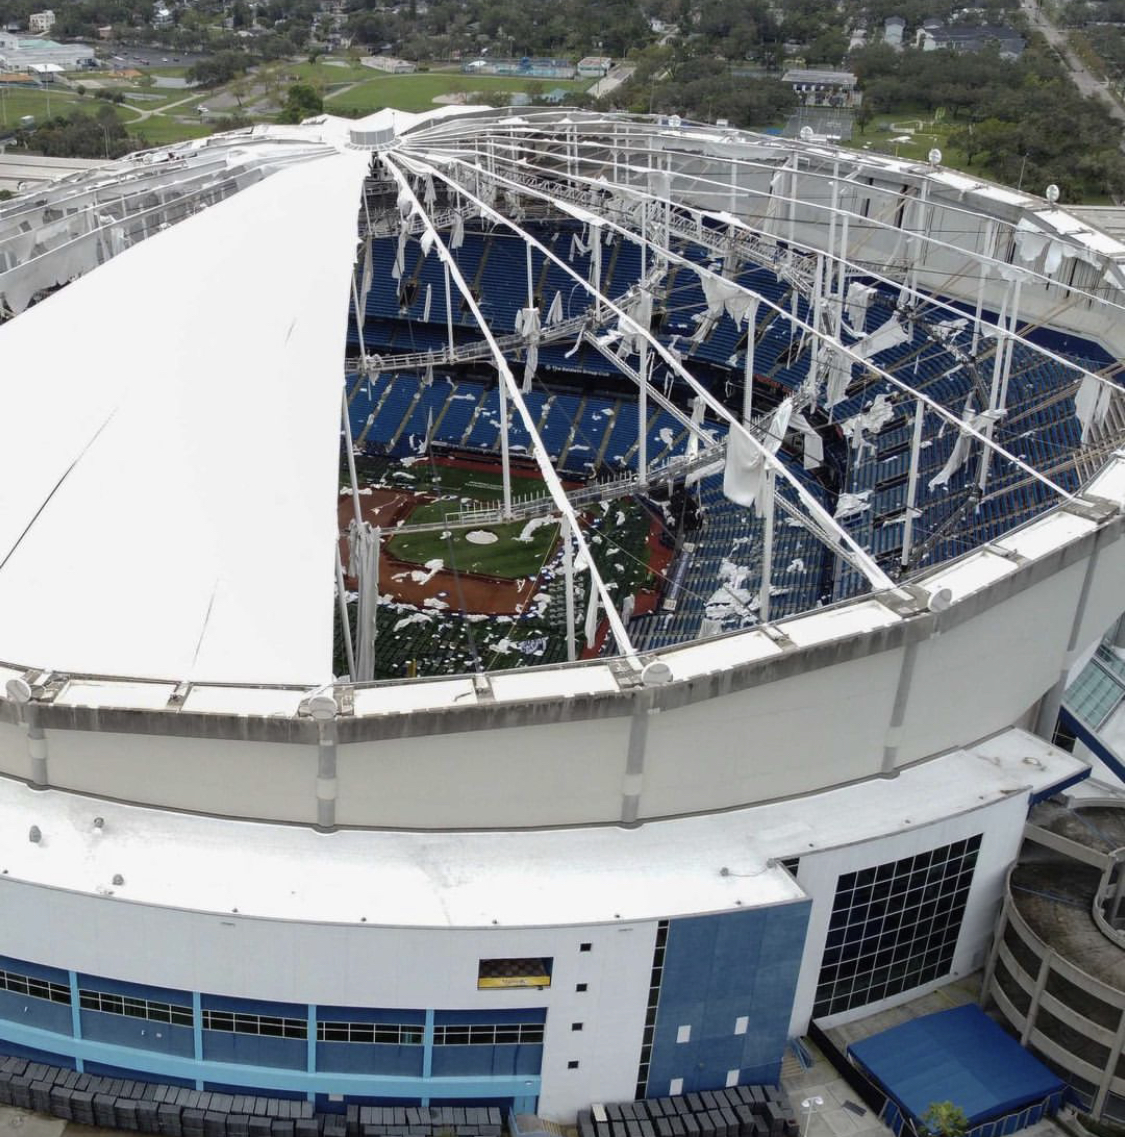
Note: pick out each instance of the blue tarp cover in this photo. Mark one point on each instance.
(960, 1056)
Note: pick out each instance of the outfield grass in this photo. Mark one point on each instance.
(459, 488)
(417, 92)
(483, 485)
(509, 558)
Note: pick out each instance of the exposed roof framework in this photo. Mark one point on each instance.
(159, 425)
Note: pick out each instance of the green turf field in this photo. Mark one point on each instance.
(484, 485)
(417, 92)
(15, 102)
(509, 557)
(457, 489)
(162, 129)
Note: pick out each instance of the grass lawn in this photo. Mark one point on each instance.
(162, 130)
(20, 101)
(417, 92)
(922, 136)
(507, 557)
(344, 71)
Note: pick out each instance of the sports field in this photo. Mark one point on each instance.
(418, 92)
(498, 610)
(509, 551)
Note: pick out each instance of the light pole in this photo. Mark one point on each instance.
(810, 1105)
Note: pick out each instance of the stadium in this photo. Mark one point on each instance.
(506, 611)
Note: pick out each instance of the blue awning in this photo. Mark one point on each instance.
(960, 1056)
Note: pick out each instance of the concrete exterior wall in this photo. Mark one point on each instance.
(1001, 825)
(976, 668)
(293, 962)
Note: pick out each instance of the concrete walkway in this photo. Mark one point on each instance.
(841, 1115)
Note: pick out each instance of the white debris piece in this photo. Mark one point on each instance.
(849, 504)
(527, 532)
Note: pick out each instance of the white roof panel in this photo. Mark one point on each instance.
(479, 879)
(140, 533)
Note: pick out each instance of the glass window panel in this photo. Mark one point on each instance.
(894, 926)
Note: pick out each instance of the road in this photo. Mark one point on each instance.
(1084, 78)
(612, 81)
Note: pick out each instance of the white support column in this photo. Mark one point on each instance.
(642, 418)
(830, 247)
(505, 456)
(530, 280)
(642, 403)
(792, 208)
(1013, 321)
(448, 311)
(994, 390)
(912, 482)
(767, 550)
(668, 201)
(345, 622)
(595, 268)
(916, 242)
(989, 242)
(842, 282)
(748, 373)
(350, 446)
(568, 573)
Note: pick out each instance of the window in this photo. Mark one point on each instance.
(509, 973)
(36, 988)
(266, 1025)
(580, 987)
(572, 1064)
(585, 947)
(575, 1026)
(654, 982)
(498, 1034)
(389, 1034)
(133, 1008)
(894, 926)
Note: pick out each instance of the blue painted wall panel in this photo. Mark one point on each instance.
(718, 969)
(255, 1050)
(138, 1034)
(106, 1071)
(14, 1050)
(360, 1058)
(451, 1061)
(29, 1011)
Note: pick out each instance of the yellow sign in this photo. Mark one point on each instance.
(513, 981)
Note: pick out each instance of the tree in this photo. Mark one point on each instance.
(944, 1119)
(303, 101)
